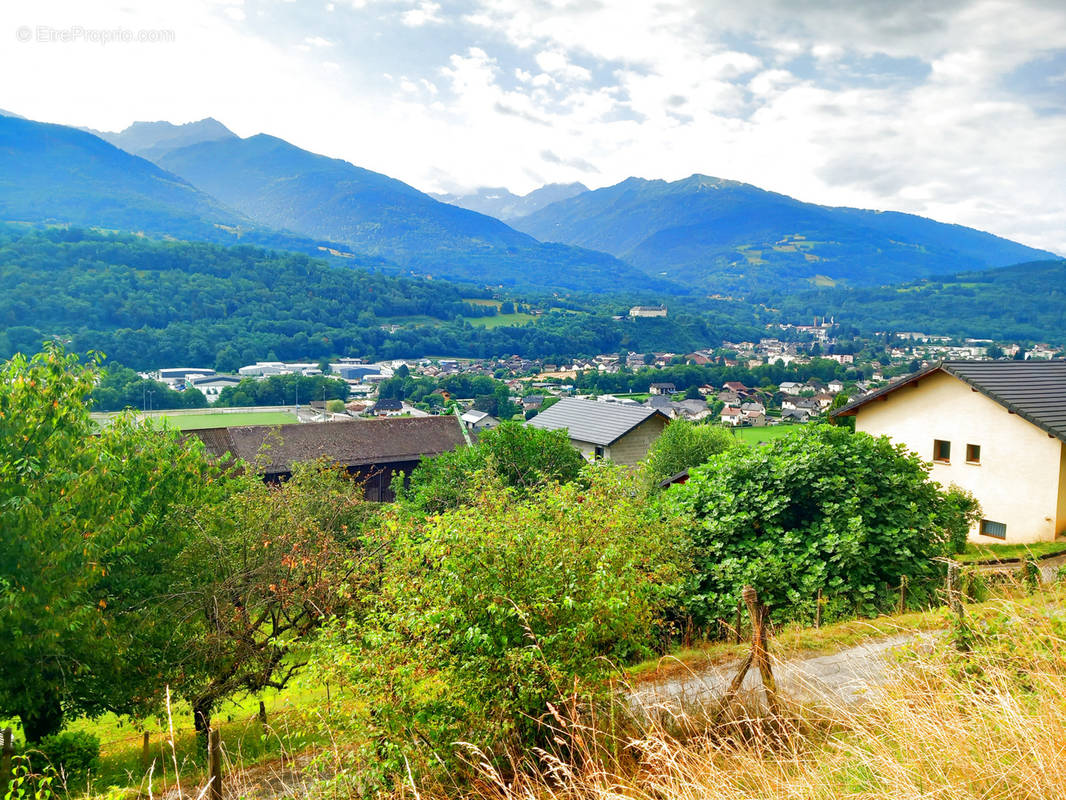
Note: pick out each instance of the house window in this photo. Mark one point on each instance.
(941, 451)
(598, 453)
(973, 454)
(997, 530)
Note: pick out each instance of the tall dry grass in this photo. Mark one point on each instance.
(988, 723)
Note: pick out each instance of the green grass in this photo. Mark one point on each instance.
(1001, 552)
(294, 723)
(186, 422)
(757, 435)
(795, 640)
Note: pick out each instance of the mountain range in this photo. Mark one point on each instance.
(200, 181)
(497, 201)
(263, 190)
(722, 234)
(151, 140)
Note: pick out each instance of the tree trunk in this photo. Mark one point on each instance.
(201, 716)
(43, 720)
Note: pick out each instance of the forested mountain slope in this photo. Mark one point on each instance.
(1019, 302)
(729, 235)
(282, 186)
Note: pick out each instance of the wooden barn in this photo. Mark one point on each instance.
(372, 451)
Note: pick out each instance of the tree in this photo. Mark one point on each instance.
(521, 457)
(275, 561)
(683, 445)
(819, 509)
(93, 523)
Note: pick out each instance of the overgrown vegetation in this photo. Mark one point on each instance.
(485, 619)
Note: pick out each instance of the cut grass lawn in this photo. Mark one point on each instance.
(188, 422)
(759, 435)
(1009, 552)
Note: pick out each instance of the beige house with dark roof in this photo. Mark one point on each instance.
(996, 428)
(619, 433)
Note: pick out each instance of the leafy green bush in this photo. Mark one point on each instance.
(821, 509)
(70, 753)
(684, 445)
(960, 511)
(490, 612)
(523, 459)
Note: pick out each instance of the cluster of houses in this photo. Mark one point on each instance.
(995, 428)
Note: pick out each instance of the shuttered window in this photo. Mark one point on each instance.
(997, 530)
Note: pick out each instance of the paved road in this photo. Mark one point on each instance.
(848, 676)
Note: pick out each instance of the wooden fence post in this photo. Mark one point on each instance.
(902, 593)
(146, 752)
(214, 764)
(736, 630)
(262, 713)
(757, 611)
(954, 596)
(7, 750)
(818, 609)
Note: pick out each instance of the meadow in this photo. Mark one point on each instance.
(217, 419)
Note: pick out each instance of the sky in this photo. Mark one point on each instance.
(953, 109)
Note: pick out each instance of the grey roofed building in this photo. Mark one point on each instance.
(620, 433)
(1034, 390)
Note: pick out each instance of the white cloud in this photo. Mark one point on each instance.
(425, 13)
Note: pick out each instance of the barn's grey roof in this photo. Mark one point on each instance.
(275, 449)
(1034, 390)
(590, 421)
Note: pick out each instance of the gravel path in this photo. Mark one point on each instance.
(848, 675)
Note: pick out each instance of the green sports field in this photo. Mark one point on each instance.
(188, 422)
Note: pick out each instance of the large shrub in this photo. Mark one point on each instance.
(489, 612)
(523, 458)
(821, 509)
(684, 445)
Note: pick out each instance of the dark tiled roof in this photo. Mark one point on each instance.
(592, 421)
(1034, 390)
(276, 449)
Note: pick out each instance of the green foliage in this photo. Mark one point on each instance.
(520, 457)
(683, 445)
(335, 406)
(821, 509)
(995, 303)
(960, 511)
(273, 563)
(490, 612)
(71, 754)
(92, 523)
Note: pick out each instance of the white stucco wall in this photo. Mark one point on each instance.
(1021, 476)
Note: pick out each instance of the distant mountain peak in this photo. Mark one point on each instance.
(500, 202)
(153, 140)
